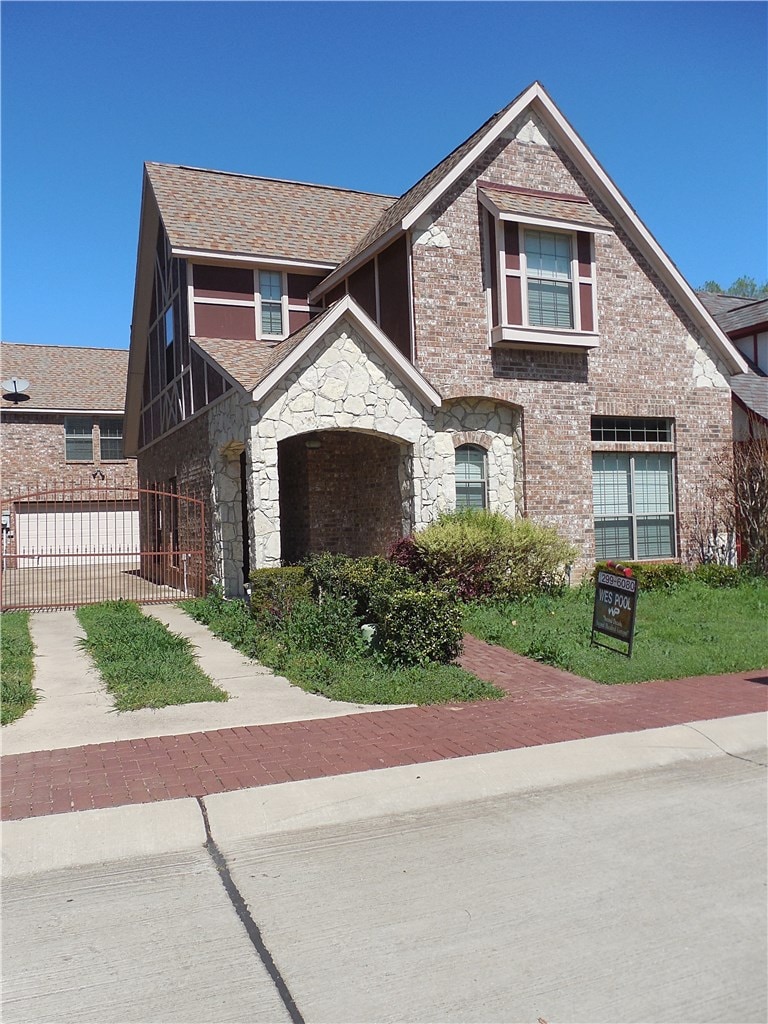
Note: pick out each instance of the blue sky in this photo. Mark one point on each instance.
(672, 98)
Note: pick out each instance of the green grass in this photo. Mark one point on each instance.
(693, 630)
(16, 666)
(143, 664)
(359, 679)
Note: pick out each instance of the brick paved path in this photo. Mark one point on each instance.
(544, 705)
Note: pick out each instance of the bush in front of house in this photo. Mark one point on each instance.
(486, 555)
(276, 591)
(417, 626)
(415, 622)
(651, 575)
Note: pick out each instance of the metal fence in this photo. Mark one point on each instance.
(67, 545)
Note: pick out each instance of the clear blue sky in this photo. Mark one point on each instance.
(672, 98)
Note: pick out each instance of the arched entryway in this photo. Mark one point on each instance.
(343, 491)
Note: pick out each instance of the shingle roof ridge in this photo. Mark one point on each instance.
(68, 348)
(263, 177)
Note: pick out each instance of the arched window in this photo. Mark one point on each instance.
(471, 477)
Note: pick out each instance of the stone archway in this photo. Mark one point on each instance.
(340, 491)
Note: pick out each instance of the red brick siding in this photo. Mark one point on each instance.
(341, 497)
(642, 367)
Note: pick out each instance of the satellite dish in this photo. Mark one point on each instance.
(14, 389)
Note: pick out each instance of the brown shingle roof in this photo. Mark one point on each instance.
(68, 378)
(237, 213)
(249, 362)
(410, 199)
(574, 210)
(752, 389)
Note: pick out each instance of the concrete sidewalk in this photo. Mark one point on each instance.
(59, 841)
(74, 709)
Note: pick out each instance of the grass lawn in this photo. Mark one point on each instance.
(361, 679)
(694, 630)
(16, 666)
(143, 664)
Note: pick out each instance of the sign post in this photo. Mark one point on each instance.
(615, 606)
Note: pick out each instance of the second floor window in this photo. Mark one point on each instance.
(78, 439)
(271, 291)
(549, 281)
(111, 443)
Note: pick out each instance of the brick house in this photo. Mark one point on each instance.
(745, 321)
(333, 368)
(62, 432)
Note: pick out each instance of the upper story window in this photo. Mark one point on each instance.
(78, 439)
(631, 428)
(111, 440)
(271, 295)
(471, 477)
(540, 267)
(549, 279)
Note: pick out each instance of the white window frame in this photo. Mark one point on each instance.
(77, 436)
(474, 447)
(107, 421)
(261, 335)
(632, 514)
(526, 277)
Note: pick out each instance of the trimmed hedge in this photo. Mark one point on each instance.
(652, 575)
(357, 579)
(276, 592)
(417, 626)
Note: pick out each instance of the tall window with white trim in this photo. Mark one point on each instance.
(549, 280)
(634, 505)
(271, 291)
(471, 477)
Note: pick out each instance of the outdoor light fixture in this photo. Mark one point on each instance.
(313, 443)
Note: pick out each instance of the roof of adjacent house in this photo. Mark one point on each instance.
(216, 211)
(66, 378)
(743, 317)
(718, 303)
(752, 390)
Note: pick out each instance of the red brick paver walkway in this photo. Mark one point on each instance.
(543, 705)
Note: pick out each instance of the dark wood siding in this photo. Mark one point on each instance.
(299, 287)
(362, 287)
(393, 295)
(236, 322)
(223, 282)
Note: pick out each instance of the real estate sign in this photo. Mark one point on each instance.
(615, 605)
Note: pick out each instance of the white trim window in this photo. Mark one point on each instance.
(547, 270)
(111, 440)
(634, 505)
(78, 439)
(471, 477)
(271, 303)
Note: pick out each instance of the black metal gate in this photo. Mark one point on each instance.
(74, 544)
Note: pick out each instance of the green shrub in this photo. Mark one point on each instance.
(715, 575)
(652, 575)
(331, 627)
(488, 555)
(417, 626)
(275, 592)
(356, 579)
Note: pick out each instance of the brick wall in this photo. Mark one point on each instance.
(184, 454)
(343, 496)
(644, 365)
(33, 455)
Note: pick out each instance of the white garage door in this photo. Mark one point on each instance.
(66, 537)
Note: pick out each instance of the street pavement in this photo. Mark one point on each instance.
(570, 853)
(635, 896)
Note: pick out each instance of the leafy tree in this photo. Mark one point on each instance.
(746, 287)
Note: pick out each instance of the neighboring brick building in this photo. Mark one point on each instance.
(62, 432)
(334, 368)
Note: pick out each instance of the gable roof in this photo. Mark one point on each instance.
(237, 214)
(717, 302)
(752, 391)
(66, 378)
(418, 201)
